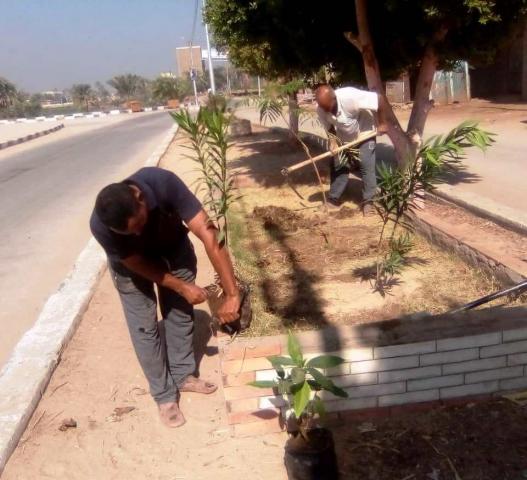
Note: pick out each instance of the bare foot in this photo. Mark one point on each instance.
(193, 384)
(171, 415)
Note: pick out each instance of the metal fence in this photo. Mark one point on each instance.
(450, 87)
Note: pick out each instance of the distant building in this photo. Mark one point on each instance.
(218, 59)
(53, 97)
(186, 60)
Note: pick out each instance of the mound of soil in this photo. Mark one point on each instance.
(280, 218)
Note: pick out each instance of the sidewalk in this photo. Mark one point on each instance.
(493, 182)
(19, 130)
(99, 372)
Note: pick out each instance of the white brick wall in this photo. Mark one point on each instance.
(351, 404)
(472, 389)
(516, 334)
(449, 357)
(411, 397)
(385, 364)
(503, 349)
(517, 359)
(435, 382)
(359, 379)
(408, 349)
(475, 365)
(468, 342)
(409, 373)
(424, 371)
(496, 374)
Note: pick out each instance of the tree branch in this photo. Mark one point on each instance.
(354, 40)
(374, 79)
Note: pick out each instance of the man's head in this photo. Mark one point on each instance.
(122, 208)
(326, 99)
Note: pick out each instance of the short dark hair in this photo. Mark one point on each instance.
(115, 204)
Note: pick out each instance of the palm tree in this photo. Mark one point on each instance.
(82, 94)
(167, 88)
(127, 85)
(8, 93)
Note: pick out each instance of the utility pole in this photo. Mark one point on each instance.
(193, 73)
(211, 69)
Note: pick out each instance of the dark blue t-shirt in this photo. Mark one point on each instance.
(169, 202)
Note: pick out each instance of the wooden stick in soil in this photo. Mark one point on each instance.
(360, 139)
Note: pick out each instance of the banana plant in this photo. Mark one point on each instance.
(401, 190)
(300, 382)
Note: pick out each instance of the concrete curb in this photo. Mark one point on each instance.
(507, 274)
(25, 376)
(17, 141)
(515, 226)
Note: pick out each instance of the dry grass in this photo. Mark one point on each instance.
(309, 269)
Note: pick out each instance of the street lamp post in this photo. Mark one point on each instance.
(209, 55)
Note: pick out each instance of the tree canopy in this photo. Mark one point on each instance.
(82, 94)
(367, 42)
(127, 85)
(8, 93)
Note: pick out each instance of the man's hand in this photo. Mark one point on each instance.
(192, 293)
(228, 310)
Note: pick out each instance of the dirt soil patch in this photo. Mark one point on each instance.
(309, 268)
(477, 441)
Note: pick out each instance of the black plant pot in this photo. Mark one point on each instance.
(314, 459)
(215, 299)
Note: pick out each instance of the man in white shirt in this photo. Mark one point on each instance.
(344, 112)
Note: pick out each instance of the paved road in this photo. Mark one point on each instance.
(46, 195)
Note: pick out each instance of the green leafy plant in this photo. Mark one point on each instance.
(208, 134)
(300, 382)
(401, 189)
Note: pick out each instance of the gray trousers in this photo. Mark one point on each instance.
(164, 350)
(339, 173)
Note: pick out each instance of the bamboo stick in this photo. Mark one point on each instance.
(363, 136)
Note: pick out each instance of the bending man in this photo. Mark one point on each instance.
(142, 223)
(344, 113)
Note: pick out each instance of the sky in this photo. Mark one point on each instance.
(52, 44)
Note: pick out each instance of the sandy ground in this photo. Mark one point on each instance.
(98, 373)
(309, 269)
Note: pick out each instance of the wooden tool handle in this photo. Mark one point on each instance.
(363, 136)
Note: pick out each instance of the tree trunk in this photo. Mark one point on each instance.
(422, 103)
(363, 42)
(293, 114)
